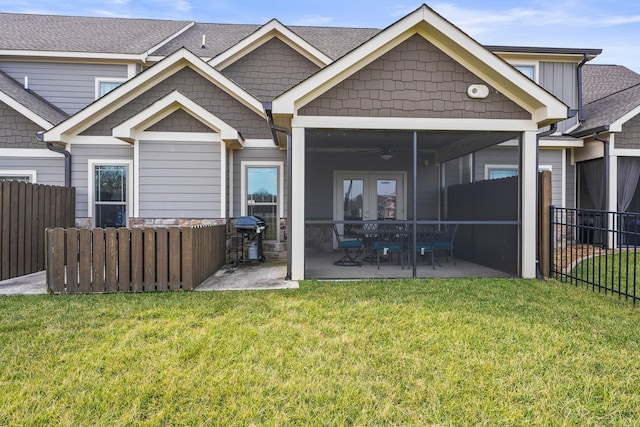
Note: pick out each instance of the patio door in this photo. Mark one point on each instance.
(366, 196)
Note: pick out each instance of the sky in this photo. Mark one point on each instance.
(611, 25)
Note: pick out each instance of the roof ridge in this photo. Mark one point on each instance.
(614, 93)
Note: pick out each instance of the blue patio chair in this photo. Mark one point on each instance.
(352, 249)
(390, 239)
(425, 242)
(444, 242)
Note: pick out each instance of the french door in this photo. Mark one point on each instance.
(367, 195)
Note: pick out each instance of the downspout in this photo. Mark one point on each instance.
(580, 101)
(274, 131)
(67, 158)
(552, 129)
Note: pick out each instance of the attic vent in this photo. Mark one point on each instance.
(203, 42)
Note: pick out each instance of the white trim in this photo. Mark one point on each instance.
(31, 173)
(136, 180)
(259, 143)
(488, 167)
(401, 123)
(21, 109)
(230, 180)
(29, 152)
(43, 55)
(96, 140)
(564, 179)
(99, 80)
(132, 70)
(136, 86)
(297, 203)
(561, 143)
(223, 180)
(177, 136)
(616, 126)
(543, 106)
(243, 183)
(527, 63)
(91, 184)
(626, 152)
(130, 128)
(528, 211)
(270, 30)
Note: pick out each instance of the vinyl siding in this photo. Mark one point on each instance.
(69, 86)
(180, 179)
(510, 156)
(49, 170)
(560, 79)
(256, 154)
(80, 156)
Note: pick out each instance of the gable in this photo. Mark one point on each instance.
(17, 131)
(179, 121)
(270, 69)
(630, 135)
(200, 90)
(417, 80)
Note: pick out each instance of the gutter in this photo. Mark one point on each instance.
(274, 131)
(67, 158)
(580, 96)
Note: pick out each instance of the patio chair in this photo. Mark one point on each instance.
(390, 239)
(352, 249)
(425, 242)
(445, 241)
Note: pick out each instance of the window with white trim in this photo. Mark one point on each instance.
(110, 189)
(506, 171)
(527, 70)
(104, 86)
(18, 175)
(262, 187)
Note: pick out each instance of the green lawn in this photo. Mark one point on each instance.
(430, 352)
(616, 272)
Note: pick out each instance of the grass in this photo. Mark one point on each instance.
(619, 272)
(430, 352)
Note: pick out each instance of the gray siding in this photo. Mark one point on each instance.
(16, 131)
(270, 70)
(201, 91)
(49, 170)
(69, 86)
(630, 136)
(255, 154)
(179, 121)
(179, 179)
(80, 156)
(560, 79)
(510, 155)
(415, 79)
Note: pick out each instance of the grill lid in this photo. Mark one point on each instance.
(250, 223)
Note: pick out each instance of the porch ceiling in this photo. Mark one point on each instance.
(446, 145)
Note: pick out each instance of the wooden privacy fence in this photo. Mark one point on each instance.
(133, 259)
(27, 210)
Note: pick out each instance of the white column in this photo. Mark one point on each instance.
(296, 199)
(223, 179)
(528, 200)
(612, 202)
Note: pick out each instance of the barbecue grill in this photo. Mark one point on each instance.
(250, 228)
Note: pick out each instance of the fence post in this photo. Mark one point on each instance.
(55, 260)
(544, 189)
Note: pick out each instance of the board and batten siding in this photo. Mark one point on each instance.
(49, 170)
(80, 156)
(69, 86)
(179, 179)
(560, 78)
(256, 155)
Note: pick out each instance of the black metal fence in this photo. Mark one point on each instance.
(596, 249)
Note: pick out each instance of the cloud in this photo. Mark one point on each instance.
(313, 20)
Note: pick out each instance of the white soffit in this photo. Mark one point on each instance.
(265, 33)
(135, 87)
(445, 36)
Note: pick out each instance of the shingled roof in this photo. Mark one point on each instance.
(603, 80)
(610, 92)
(30, 100)
(83, 34)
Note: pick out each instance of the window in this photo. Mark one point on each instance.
(527, 70)
(506, 171)
(104, 86)
(18, 175)
(262, 189)
(109, 191)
